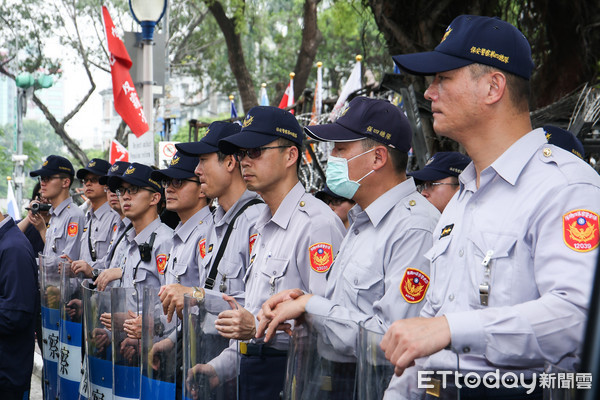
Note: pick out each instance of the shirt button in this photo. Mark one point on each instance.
(451, 297)
(356, 281)
(461, 253)
(274, 273)
(356, 231)
(466, 349)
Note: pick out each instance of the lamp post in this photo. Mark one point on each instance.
(148, 13)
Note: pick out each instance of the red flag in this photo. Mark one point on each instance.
(288, 97)
(117, 152)
(127, 102)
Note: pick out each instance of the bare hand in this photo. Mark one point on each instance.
(81, 266)
(268, 306)
(237, 323)
(412, 338)
(101, 339)
(130, 349)
(105, 319)
(74, 309)
(283, 312)
(171, 297)
(163, 346)
(133, 326)
(106, 277)
(195, 375)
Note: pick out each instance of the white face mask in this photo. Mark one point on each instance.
(337, 177)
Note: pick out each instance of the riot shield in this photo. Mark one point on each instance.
(71, 312)
(50, 300)
(321, 364)
(159, 358)
(201, 344)
(125, 351)
(98, 343)
(374, 370)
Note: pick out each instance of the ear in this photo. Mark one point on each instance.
(292, 155)
(230, 163)
(381, 157)
(155, 198)
(496, 82)
(65, 183)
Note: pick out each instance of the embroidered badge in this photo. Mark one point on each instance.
(210, 247)
(580, 230)
(72, 229)
(446, 230)
(414, 285)
(251, 242)
(321, 257)
(161, 263)
(202, 248)
(114, 227)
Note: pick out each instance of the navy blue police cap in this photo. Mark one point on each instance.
(137, 175)
(474, 39)
(117, 169)
(54, 165)
(326, 192)
(181, 167)
(564, 139)
(263, 125)
(365, 117)
(441, 165)
(210, 142)
(96, 166)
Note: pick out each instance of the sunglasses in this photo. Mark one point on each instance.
(254, 153)
(90, 180)
(176, 183)
(47, 179)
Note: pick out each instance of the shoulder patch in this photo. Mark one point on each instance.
(580, 230)
(414, 285)
(72, 229)
(114, 227)
(202, 248)
(321, 257)
(251, 242)
(161, 263)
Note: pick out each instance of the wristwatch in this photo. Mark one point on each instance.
(95, 273)
(198, 294)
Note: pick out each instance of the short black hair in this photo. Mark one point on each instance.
(286, 142)
(519, 89)
(399, 158)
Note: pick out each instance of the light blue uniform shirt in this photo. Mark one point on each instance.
(63, 235)
(534, 212)
(104, 222)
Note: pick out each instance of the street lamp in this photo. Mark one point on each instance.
(148, 13)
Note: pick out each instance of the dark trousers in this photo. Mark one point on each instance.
(262, 377)
(11, 394)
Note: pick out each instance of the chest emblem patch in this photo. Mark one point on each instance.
(202, 247)
(72, 229)
(580, 230)
(161, 263)
(251, 242)
(414, 285)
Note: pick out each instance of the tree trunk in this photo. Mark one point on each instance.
(235, 55)
(311, 38)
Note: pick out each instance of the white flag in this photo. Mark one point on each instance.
(12, 208)
(353, 83)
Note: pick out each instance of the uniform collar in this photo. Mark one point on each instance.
(222, 218)
(100, 212)
(66, 203)
(183, 231)
(283, 215)
(378, 209)
(144, 235)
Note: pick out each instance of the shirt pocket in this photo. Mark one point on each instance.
(439, 270)
(179, 269)
(228, 270)
(498, 251)
(363, 285)
(274, 270)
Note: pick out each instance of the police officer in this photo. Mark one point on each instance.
(338, 204)
(298, 237)
(101, 220)
(149, 241)
(185, 197)
(380, 273)
(66, 220)
(514, 252)
(104, 272)
(437, 181)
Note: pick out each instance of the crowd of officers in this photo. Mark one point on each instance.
(502, 279)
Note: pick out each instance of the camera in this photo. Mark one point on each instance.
(39, 207)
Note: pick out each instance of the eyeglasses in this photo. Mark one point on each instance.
(431, 185)
(47, 179)
(131, 190)
(254, 153)
(176, 183)
(90, 180)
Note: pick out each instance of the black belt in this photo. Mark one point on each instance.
(251, 349)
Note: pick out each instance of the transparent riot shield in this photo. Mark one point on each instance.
(560, 383)
(98, 343)
(374, 370)
(159, 358)
(125, 351)
(321, 364)
(50, 299)
(71, 314)
(202, 344)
